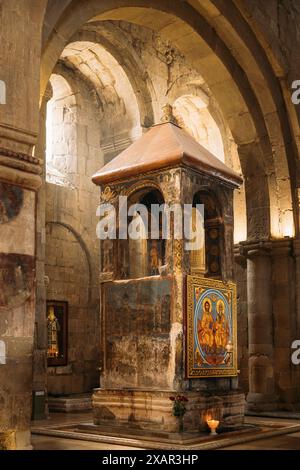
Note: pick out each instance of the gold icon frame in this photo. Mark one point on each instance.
(198, 362)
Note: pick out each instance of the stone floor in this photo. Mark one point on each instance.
(42, 442)
(286, 442)
(55, 443)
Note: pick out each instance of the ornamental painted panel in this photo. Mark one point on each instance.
(211, 328)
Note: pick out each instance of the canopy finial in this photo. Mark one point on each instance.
(168, 115)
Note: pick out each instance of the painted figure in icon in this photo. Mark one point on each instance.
(221, 327)
(206, 326)
(53, 327)
(154, 258)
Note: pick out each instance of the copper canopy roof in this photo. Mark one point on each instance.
(164, 145)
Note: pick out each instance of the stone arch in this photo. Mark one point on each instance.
(185, 86)
(116, 105)
(128, 60)
(267, 73)
(246, 110)
(82, 245)
(68, 268)
(253, 41)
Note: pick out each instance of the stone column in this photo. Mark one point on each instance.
(284, 318)
(260, 326)
(296, 252)
(240, 274)
(39, 385)
(19, 180)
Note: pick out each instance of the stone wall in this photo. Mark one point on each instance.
(17, 300)
(68, 270)
(72, 249)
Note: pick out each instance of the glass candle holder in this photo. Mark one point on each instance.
(213, 424)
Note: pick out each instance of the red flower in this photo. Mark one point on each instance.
(179, 407)
(179, 398)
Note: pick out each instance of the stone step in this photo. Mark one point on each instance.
(70, 403)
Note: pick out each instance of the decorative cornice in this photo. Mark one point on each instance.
(21, 177)
(20, 156)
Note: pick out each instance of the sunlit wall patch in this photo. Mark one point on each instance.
(2, 92)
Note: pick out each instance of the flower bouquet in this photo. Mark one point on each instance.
(179, 408)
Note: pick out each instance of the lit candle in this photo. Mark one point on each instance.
(213, 424)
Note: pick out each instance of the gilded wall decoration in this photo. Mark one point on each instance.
(108, 195)
(57, 333)
(178, 254)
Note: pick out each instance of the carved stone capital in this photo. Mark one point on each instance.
(239, 257)
(251, 249)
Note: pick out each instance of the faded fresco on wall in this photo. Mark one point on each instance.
(16, 279)
(17, 220)
(11, 202)
(143, 308)
(137, 324)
